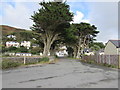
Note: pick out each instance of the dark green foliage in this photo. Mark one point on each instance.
(100, 44)
(12, 49)
(36, 50)
(22, 49)
(70, 51)
(95, 48)
(23, 35)
(4, 49)
(56, 56)
(84, 30)
(50, 23)
(79, 36)
(51, 16)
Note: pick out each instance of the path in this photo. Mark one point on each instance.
(66, 73)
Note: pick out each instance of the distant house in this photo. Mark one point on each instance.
(11, 36)
(35, 45)
(12, 43)
(62, 51)
(112, 47)
(26, 44)
(88, 51)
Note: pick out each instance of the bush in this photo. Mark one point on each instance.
(6, 55)
(56, 56)
(44, 59)
(22, 49)
(9, 64)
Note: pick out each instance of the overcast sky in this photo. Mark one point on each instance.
(104, 15)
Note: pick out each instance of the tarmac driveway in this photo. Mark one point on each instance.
(66, 73)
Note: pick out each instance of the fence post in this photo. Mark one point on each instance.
(103, 59)
(109, 60)
(118, 61)
(24, 59)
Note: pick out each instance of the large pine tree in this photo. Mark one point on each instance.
(50, 22)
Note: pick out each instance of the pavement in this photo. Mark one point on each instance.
(66, 73)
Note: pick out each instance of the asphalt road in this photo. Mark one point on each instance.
(66, 73)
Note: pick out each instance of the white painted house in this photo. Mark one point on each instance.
(26, 44)
(12, 43)
(11, 36)
(89, 53)
(112, 47)
(62, 52)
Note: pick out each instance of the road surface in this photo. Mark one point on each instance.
(66, 73)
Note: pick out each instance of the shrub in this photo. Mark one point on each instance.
(6, 55)
(9, 64)
(22, 49)
(44, 59)
(56, 56)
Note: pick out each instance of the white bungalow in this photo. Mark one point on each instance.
(26, 44)
(12, 43)
(62, 52)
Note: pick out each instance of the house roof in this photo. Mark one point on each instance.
(116, 43)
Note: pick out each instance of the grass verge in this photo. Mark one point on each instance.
(5, 64)
(102, 64)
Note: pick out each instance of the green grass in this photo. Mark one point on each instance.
(102, 64)
(5, 64)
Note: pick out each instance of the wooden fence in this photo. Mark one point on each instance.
(104, 59)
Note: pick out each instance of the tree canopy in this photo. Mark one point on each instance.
(50, 22)
(80, 36)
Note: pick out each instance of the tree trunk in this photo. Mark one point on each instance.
(78, 51)
(75, 52)
(47, 44)
(83, 46)
(46, 50)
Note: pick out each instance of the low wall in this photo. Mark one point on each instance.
(27, 60)
(23, 59)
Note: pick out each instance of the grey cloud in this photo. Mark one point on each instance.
(105, 16)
